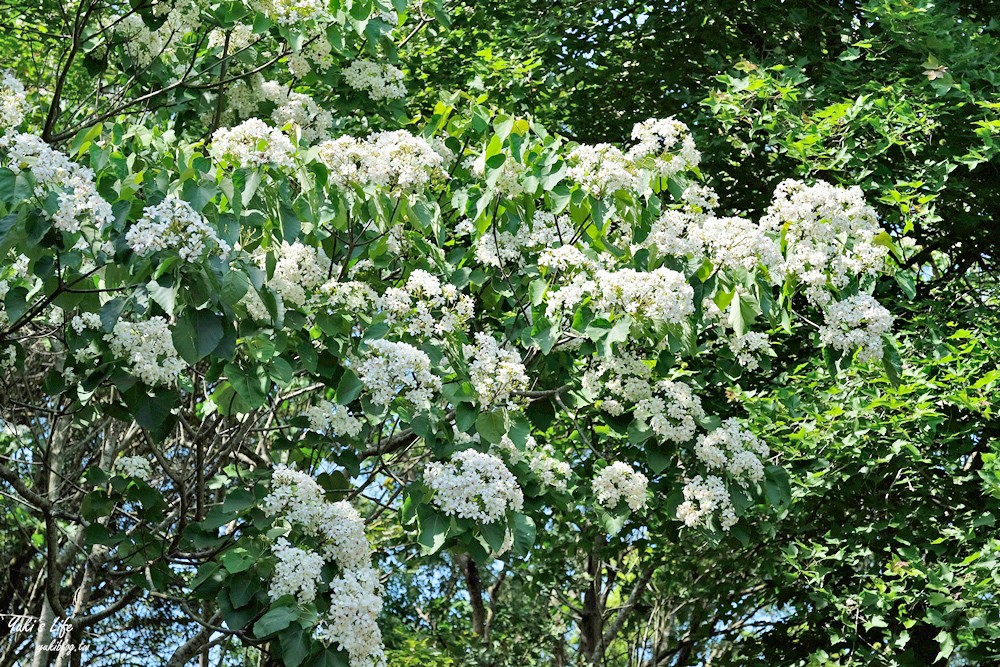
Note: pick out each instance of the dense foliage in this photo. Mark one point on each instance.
(359, 334)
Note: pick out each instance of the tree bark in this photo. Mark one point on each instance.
(474, 585)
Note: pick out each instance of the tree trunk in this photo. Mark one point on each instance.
(474, 584)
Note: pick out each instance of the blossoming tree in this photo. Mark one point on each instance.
(244, 339)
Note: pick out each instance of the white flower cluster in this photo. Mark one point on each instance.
(730, 449)
(733, 449)
(546, 233)
(333, 420)
(78, 201)
(391, 369)
(749, 347)
(292, 12)
(601, 170)
(84, 321)
(355, 595)
(173, 224)
(541, 459)
(355, 603)
(298, 269)
(180, 18)
(618, 482)
(829, 233)
(857, 322)
(496, 371)
(663, 147)
(662, 295)
(148, 349)
(506, 178)
(499, 249)
(352, 296)
(381, 81)
(240, 37)
(734, 243)
(474, 486)
(12, 102)
(317, 52)
(253, 143)
(425, 307)
(137, 467)
(669, 235)
(296, 109)
(665, 143)
(296, 572)
(395, 160)
(703, 497)
(671, 409)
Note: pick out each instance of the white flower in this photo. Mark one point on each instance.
(618, 482)
(702, 498)
(333, 420)
(84, 321)
(253, 143)
(661, 295)
(12, 102)
(296, 572)
(506, 178)
(134, 466)
(297, 109)
(148, 350)
(733, 449)
(352, 621)
(474, 486)
(397, 369)
(292, 12)
(665, 145)
(298, 270)
(857, 322)
(301, 502)
(829, 232)
(601, 170)
(381, 81)
(549, 470)
(173, 224)
(748, 347)
(395, 160)
(734, 243)
(671, 411)
(499, 249)
(496, 372)
(424, 307)
(79, 204)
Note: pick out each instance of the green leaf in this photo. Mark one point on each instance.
(433, 528)
(907, 282)
(15, 303)
(238, 500)
(891, 362)
(524, 534)
(742, 313)
(196, 334)
(110, 312)
(237, 560)
(274, 620)
(495, 533)
(349, 387)
(492, 426)
(777, 486)
(294, 645)
(330, 657)
(234, 287)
